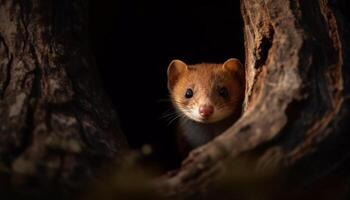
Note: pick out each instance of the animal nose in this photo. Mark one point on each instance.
(206, 110)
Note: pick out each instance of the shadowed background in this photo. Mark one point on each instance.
(134, 41)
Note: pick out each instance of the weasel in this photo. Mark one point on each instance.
(208, 97)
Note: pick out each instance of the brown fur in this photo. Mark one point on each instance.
(205, 80)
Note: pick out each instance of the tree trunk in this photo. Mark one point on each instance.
(56, 123)
(296, 105)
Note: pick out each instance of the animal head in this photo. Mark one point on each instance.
(205, 92)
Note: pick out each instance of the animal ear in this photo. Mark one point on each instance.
(175, 69)
(235, 67)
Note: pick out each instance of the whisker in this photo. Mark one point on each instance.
(169, 115)
(172, 120)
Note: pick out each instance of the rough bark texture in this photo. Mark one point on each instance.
(296, 103)
(56, 122)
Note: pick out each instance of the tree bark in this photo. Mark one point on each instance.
(296, 103)
(56, 122)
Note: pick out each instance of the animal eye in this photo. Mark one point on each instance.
(189, 93)
(223, 92)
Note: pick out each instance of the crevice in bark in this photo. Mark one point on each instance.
(82, 132)
(263, 49)
(25, 7)
(8, 76)
(33, 101)
(7, 71)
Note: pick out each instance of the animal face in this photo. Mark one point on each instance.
(206, 93)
